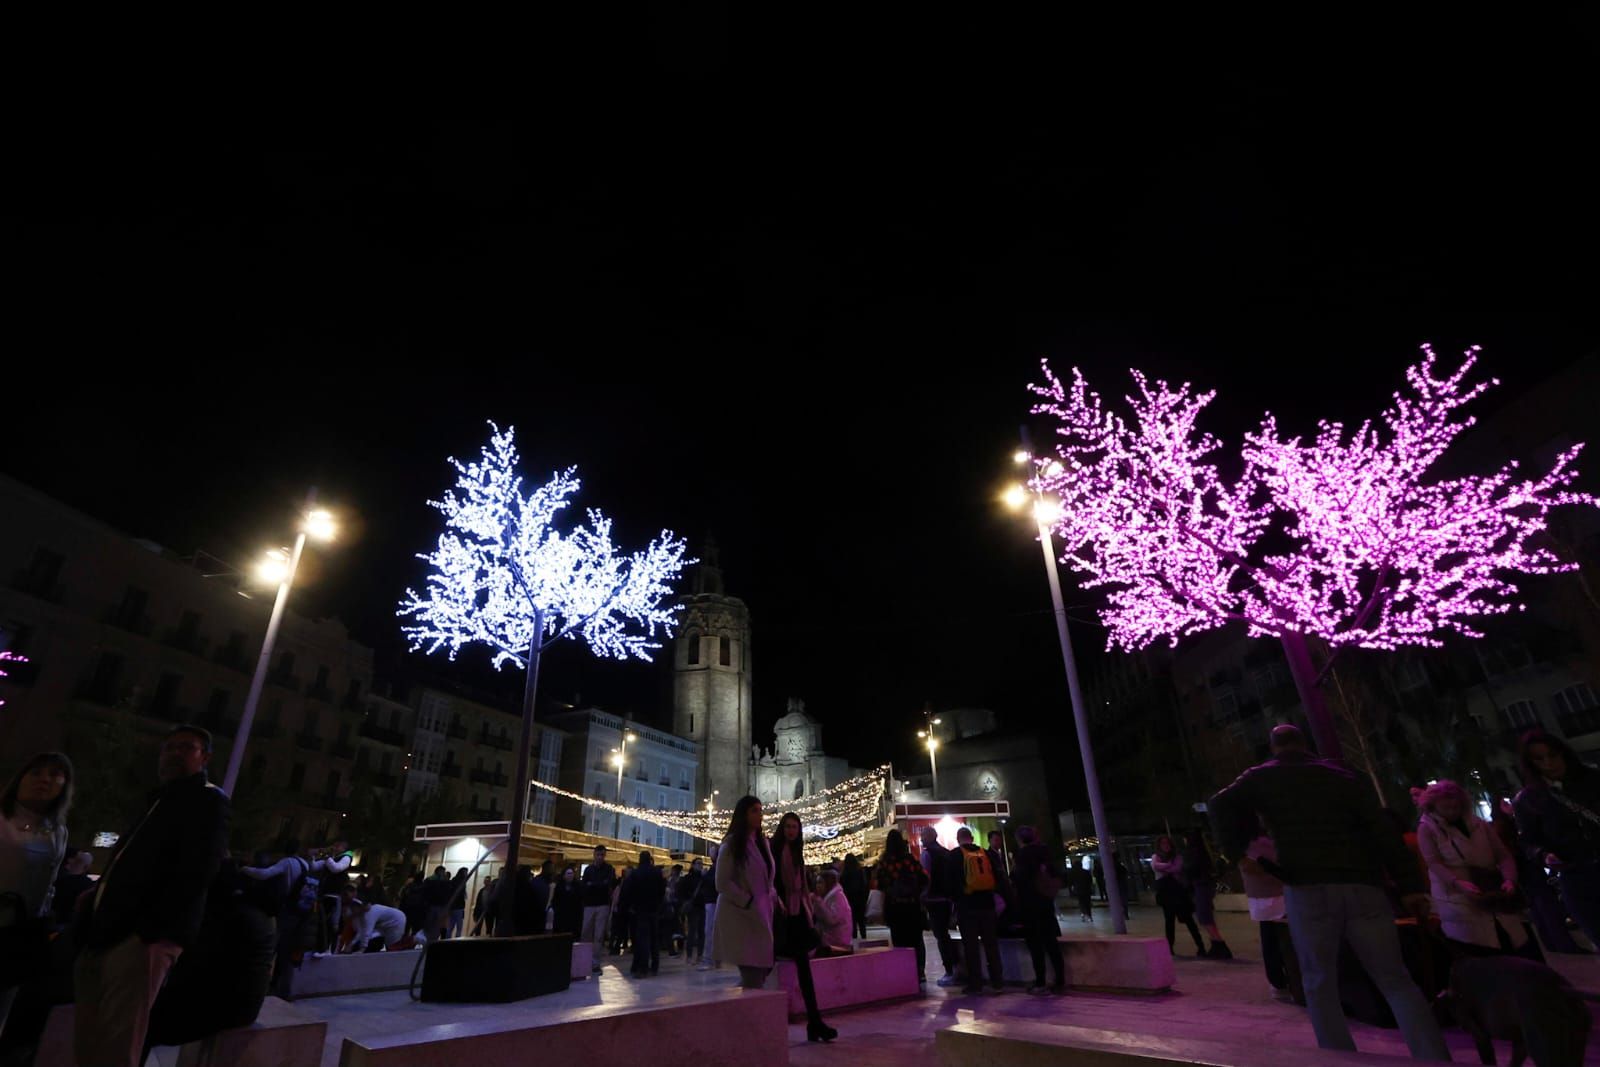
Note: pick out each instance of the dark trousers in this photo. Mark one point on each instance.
(646, 947)
(1278, 959)
(858, 913)
(796, 934)
(695, 945)
(904, 919)
(979, 933)
(1042, 934)
(292, 926)
(1086, 905)
(1580, 892)
(1170, 917)
(939, 919)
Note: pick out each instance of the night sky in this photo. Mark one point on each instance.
(789, 296)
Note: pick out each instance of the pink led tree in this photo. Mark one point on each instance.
(1347, 537)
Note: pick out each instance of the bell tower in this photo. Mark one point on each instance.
(711, 681)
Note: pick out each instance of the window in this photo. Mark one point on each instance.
(103, 686)
(474, 802)
(131, 611)
(1503, 659)
(274, 712)
(394, 719)
(344, 733)
(691, 641)
(188, 629)
(660, 836)
(333, 785)
(42, 573)
(691, 724)
(285, 663)
(725, 654)
(1522, 715)
(321, 684)
(165, 700)
(352, 693)
(217, 706)
(1573, 699)
(311, 722)
(297, 776)
(638, 797)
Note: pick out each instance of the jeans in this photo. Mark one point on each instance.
(1320, 916)
(979, 927)
(711, 924)
(1580, 892)
(594, 930)
(939, 919)
(695, 942)
(1042, 933)
(646, 945)
(905, 930)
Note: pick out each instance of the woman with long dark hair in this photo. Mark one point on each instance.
(33, 842)
(741, 933)
(853, 880)
(793, 931)
(1558, 820)
(903, 881)
(1173, 894)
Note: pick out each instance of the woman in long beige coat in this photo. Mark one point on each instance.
(1453, 841)
(742, 930)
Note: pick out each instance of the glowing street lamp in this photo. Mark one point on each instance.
(619, 758)
(278, 568)
(1046, 513)
(930, 739)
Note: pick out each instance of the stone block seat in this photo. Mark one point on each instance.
(362, 972)
(724, 1028)
(281, 1036)
(868, 977)
(1102, 964)
(1019, 1043)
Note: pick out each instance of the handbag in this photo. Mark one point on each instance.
(24, 942)
(1489, 882)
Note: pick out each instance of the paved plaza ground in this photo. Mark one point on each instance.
(1214, 1001)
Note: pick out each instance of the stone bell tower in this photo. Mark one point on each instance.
(711, 682)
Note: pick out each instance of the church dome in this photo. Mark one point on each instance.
(796, 718)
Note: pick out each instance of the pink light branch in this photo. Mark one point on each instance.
(1370, 547)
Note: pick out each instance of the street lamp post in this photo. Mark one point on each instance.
(318, 524)
(932, 741)
(620, 758)
(1044, 513)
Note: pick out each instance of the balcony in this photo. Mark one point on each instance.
(232, 657)
(185, 641)
(457, 730)
(129, 621)
(383, 734)
(35, 586)
(265, 729)
(664, 781)
(502, 743)
(481, 776)
(450, 770)
(217, 724)
(643, 776)
(320, 692)
(1577, 723)
(284, 680)
(342, 750)
(485, 814)
(309, 742)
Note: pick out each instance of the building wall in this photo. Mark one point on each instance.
(126, 638)
(660, 773)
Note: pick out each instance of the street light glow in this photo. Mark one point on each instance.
(274, 567)
(1014, 497)
(1047, 512)
(616, 759)
(1020, 456)
(319, 525)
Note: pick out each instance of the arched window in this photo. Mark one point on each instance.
(692, 639)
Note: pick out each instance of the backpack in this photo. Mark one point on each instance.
(303, 898)
(904, 886)
(978, 871)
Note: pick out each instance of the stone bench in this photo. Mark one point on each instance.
(1019, 1043)
(724, 1028)
(362, 972)
(582, 959)
(1104, 964)
(869, 977)
(281, 1036)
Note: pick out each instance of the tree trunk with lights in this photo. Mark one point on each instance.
(507, 899)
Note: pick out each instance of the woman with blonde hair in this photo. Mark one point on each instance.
(1472, 877)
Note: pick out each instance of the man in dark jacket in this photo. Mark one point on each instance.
(694, 911)
(943, 888)
(148, 905)
(643, 894)
(1334, 848)
(598, 880)
(1558, 822)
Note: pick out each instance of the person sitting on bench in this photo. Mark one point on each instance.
(835, 921)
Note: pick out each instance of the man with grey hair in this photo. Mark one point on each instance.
(1334, 848)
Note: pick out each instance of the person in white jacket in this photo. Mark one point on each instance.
(835, 923)
(1454, 843)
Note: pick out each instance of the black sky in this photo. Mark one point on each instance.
(786, 289)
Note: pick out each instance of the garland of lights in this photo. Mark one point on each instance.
(836, 820)
(9, 657)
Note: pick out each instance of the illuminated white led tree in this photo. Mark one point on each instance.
(1350, 537)
(504, 576)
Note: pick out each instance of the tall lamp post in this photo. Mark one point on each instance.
(619, 757)
(932, 742)
(279, 567)
(1045, 512)
(711, 802)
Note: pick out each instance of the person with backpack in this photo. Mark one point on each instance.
(975, 913)
(902, 881)
(1038, 884)
(297, 922)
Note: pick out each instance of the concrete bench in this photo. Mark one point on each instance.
(725, 1028)
(281, 1036)
(1019, 1043)
(362, 972)
(1105, 964)
(869, 977)
(582, 959)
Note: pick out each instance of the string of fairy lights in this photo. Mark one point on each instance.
(836, 820)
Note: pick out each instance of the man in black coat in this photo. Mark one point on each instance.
(147, 907)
